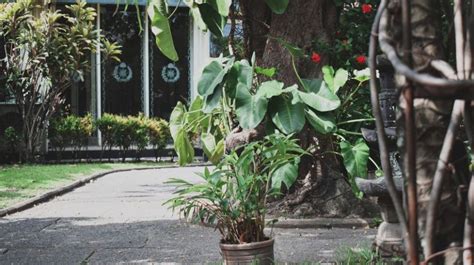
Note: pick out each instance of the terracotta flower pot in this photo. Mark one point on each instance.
(250, 253)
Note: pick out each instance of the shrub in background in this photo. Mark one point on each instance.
(106, 125)
(71, 131)
(159, 134)
(138, 131)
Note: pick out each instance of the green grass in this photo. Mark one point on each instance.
(20, 182)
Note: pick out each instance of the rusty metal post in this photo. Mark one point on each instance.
(410, 140)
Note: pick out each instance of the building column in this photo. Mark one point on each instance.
(98, 79)
(146, 68)
(199, 55)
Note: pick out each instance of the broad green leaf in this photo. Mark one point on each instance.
(340, 79)
(211, 77)
(270, 89)
(322, 122)
(277, 6)
(195, 110)
(286, 174)
(221, 6)
(245, 74)
(208, 143)
(288, 117)
(183, 148)
(250, 109)
(218, 152)
(161, 29)
(214, 21)
(268, 72)
(177, 119)
(319, 96)
(328, 75)
(355, 157)
(213, 101)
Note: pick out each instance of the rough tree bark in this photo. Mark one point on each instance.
(322, 189)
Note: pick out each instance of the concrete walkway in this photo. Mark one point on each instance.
(120, 219)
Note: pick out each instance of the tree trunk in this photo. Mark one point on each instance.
(321, 189)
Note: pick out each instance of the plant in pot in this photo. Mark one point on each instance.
(233, 196)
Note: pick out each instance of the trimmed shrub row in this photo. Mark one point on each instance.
(123, 132)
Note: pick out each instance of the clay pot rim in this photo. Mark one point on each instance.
(253, 245)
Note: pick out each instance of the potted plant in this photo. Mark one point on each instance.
(233, 196)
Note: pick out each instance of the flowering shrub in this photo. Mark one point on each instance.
(351, 39)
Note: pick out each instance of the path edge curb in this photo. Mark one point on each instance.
(45, 197)
(321, 223)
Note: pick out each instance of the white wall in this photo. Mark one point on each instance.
(200, 42)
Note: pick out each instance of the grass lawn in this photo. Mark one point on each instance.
(20, 182)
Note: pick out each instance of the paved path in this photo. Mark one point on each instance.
(120, 219)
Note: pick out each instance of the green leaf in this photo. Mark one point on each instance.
(328, 75)
(340, 79)
(208, 143)
(214, 21)
(195, 110)
(211, 77)
(218, 153)
(319, 96)
(250, 109)
(268, 72)
(287, 174)
(322, 122)
(177, 119)
(212, 101)
(355, 157)
(221, 6)
(161, 29)
(183, 148)
(287, 117)
(277, 6)
(270, 89)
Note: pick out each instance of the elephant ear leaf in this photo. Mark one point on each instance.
(287, 117)
(278, 6)
(318, 96)
(211, 77)
(177, 119)
(160, 27)
(355, 157)
(250, 109)
(184, 148)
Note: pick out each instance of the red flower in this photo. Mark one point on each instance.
(366, 8)
(316, 57)
(361, 59)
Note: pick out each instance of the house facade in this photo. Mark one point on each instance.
(144, 81)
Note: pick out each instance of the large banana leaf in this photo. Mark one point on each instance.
(161, 28)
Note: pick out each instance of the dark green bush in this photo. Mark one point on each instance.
(71, 131)
(159, 134)
(106, 125)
